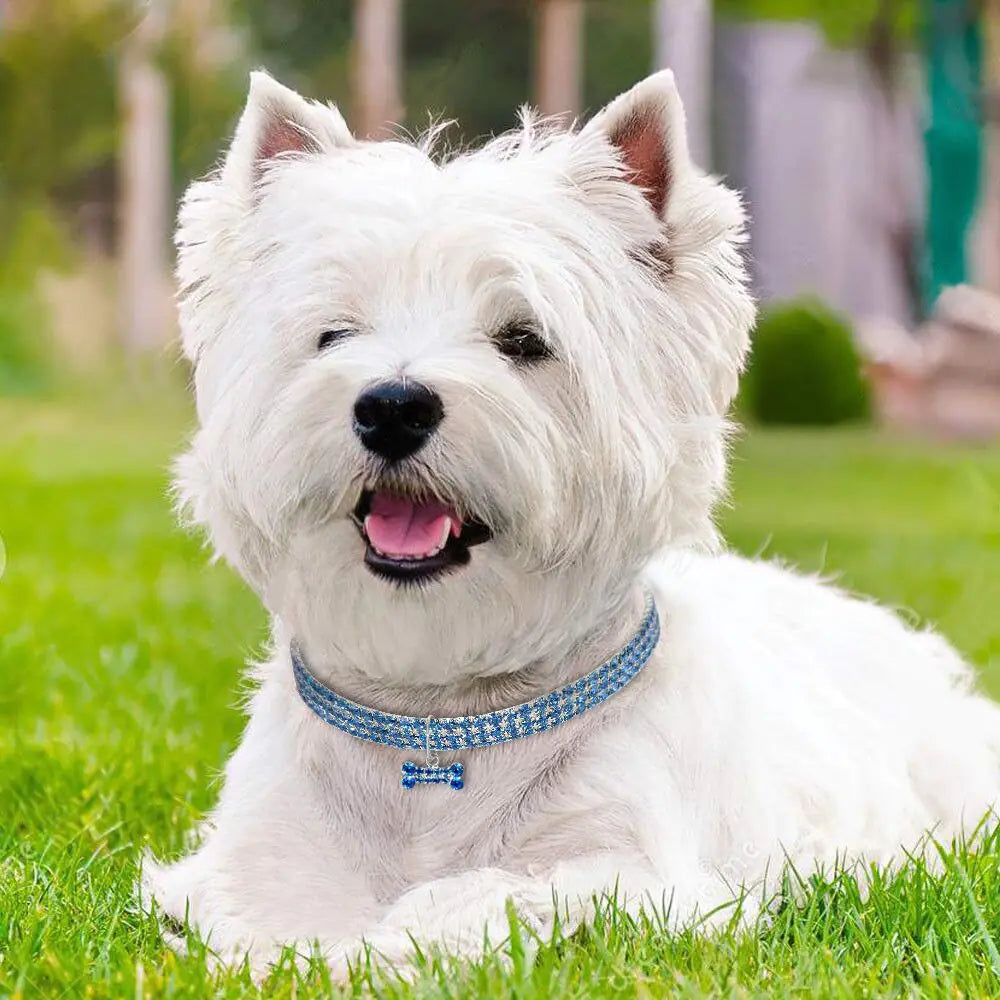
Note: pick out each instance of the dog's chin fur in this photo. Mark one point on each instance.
(777, 716)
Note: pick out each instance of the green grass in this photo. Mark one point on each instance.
(120, 652)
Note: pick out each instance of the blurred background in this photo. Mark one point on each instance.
(865, 135)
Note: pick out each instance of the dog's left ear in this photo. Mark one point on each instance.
(646, 125)
(277, 122)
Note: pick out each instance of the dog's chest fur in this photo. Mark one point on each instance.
(401, 837)
(511, 811)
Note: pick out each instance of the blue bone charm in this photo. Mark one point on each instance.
(452, 775)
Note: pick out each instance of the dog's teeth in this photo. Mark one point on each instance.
(445, 531)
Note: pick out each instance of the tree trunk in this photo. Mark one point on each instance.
(377, 61)
(145, 190)
(682, 41)
(558, 57)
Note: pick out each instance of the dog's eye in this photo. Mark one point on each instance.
(330, 337)
(521, 343)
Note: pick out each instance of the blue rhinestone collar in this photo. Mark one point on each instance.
(471, 732)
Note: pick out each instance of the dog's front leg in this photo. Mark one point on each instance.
(467, 914)
(461, 914)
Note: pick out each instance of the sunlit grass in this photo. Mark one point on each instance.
(120, 651)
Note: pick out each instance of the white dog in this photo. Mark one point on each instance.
(459, 416)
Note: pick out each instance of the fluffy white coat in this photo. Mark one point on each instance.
(777, 717)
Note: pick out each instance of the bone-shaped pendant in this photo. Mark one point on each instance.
(414, 774)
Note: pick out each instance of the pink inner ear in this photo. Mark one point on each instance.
(281, 136)
(643, 145)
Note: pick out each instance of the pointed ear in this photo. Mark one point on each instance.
(277, 122)
(646, 125)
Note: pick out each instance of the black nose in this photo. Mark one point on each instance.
(394, 419)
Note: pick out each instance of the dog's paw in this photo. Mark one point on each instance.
(392, 952)
(191, 922)
(164, 891)
(464, 914)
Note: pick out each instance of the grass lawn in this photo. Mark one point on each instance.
(120, 652)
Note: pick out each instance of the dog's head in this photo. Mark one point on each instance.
(450, 404)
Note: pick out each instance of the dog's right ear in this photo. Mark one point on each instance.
(277, 122)
(646, 126)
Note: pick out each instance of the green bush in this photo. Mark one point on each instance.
(804, 368)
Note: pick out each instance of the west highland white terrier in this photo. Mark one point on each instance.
(462, 428)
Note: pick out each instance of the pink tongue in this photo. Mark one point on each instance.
(400, 527)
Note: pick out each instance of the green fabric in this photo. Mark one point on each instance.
(953, 139)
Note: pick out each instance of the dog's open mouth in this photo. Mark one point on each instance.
(411, 540)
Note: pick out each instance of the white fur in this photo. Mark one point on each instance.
(778, 717)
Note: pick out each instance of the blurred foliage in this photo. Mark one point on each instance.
(51, 146)
(618, 48)
(59, 113)
(57, 95)
(35, 241)
(305, 43)
(469, 61)
(804, 369)
(24, 364)
(845, 22)
(59, 137)
(472, 61)
(205, 100)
